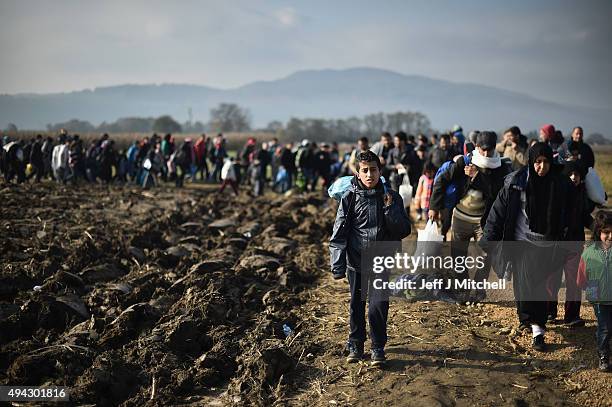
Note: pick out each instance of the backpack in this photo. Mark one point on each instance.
(342, 184)
(180, 156)
(450, 197)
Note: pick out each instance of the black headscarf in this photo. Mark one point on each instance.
(574, 166)
(543, 206)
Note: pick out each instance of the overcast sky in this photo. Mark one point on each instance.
(554, 50)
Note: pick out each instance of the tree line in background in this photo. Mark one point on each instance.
(227, 117)
(230, 117)
(350, 129)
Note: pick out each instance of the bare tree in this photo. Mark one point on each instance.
(229, 117)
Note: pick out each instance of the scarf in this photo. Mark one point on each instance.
(543, 204)
(481, 161)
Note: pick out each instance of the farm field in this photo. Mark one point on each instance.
(180, 297)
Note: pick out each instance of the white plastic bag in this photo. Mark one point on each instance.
(430, 233)
(405, 191)
(594, 187)
(429, 241)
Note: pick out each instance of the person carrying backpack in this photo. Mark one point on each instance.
(13, 161)
(217, 155)
(368, 212)
(476, 179)
(183, 160)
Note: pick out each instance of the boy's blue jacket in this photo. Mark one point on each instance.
(370, 221)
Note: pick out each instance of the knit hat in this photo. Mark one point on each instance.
(548, 130)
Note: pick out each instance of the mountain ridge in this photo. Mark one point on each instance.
(325, 93)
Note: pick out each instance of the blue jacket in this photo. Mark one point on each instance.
(361, 219)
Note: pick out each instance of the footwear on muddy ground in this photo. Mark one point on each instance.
(539, 344)
(378, 357)
(604, 362)
(576, 323)
(355, 352)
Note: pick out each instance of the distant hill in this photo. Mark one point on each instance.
(313, 93)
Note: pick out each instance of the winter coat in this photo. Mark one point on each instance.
(488, 181)
(502, 218)
(361, 219)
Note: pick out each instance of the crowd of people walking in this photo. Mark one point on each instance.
(479, 187)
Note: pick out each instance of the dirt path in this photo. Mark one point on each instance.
(445, 354)
(175, 297)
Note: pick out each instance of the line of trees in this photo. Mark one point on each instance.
(230, 117)
(351, 128)
(227, 117)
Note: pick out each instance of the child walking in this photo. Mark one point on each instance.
(368, 211)
(595, 275)
(423, 191)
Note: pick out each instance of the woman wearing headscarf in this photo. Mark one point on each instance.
(531, 210)
(579, 217)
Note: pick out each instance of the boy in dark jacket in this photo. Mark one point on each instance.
(368, 212)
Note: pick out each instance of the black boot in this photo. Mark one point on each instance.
(355, 352)
(539, 344)
(604, 362)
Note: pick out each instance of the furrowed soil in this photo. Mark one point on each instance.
(179, 297)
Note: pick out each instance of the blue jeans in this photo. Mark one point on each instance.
(604, 326)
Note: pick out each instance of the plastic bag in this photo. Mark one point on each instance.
(429, 241)
(594, 187)
(405, 191)
(282, 175)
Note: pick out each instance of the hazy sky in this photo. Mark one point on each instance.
(554, 50)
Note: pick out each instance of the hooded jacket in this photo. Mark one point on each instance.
(362, 218)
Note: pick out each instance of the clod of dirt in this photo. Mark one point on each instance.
(250, 229)
(259, 261)
(101, 273)
(208, 266)
(75, 303)
(222, 224)
(138, 254)
(129, 323)
(279, 245)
